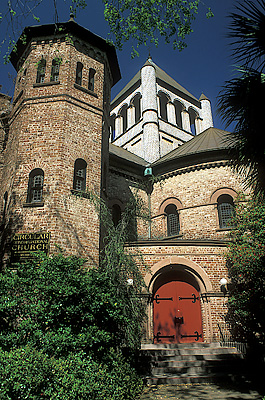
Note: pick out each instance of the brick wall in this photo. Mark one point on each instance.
(51, 125)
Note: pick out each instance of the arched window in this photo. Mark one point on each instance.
(178, 109)
(123, 114)
(137, 107)
(226, 210)
(193, 115)
(41, 71)
(91, 79)
(35, 186)
(163, 100)
(172, 220)
(116, 214)
(55, 69)
(78, 76)
(80, 175)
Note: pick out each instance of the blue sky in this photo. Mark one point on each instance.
(202, 67)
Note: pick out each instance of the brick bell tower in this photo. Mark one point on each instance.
(57, 145)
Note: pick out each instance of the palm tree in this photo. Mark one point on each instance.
(242, 99)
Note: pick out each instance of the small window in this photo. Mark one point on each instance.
(55, 69)
(173, 227)
(41, 71)
(163, 100)
(79, 70)
(80, 175)
(123, 114)
(137, 107)
(35, 186)
(193, 116)
(226, 211)
(91, 79)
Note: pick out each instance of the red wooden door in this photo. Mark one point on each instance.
(177, 314)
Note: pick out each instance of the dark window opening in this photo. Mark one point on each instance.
(137, 107)
(79, 70)
(41, 71)
(35, 186)
(173, 227)
(193, 115)
(178, 110)
(163, 100)
(123, 114)
(55, 70)
(226, 211)
(80, 175)
(91, 79)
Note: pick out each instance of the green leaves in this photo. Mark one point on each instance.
(63, 329)
(146, 21)
(246, 265)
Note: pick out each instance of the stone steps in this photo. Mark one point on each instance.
(190, 363)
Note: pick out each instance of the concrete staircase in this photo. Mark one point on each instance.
(190, 363)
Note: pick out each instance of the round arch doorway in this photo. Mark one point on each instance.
(177, 309)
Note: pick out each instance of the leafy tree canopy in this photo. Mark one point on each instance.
(142, 21)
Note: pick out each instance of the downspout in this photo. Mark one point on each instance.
(149, 188)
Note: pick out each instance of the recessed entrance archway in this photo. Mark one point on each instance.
(187, 319)
(177, 309)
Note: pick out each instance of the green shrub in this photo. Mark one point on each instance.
(27, 373)
(56, 305)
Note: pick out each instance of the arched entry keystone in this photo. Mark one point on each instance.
(178, 313)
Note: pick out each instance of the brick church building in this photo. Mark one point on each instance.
(62, 137)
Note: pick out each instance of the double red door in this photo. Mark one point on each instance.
(177, 313)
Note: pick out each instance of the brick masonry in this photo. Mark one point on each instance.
(51, 125)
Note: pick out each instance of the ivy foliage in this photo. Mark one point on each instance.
(246, 263)
(70, 332)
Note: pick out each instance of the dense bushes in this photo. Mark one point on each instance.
(64, 330)
(246, 264)
(28, 373)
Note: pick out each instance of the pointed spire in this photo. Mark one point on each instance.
(72, 17)
(203, 97)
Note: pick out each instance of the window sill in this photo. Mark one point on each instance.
(37, 204)
(79, 193)
(46, 84)
(85, 90)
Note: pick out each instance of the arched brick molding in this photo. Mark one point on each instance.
(183, 264)
(219, 192)
(190, 268)
(162, 213)
(214, 197)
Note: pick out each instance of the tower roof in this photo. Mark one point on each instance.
(63, 28)
(162, 78)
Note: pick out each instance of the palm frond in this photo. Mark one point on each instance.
(241, 102)
(247, 30)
